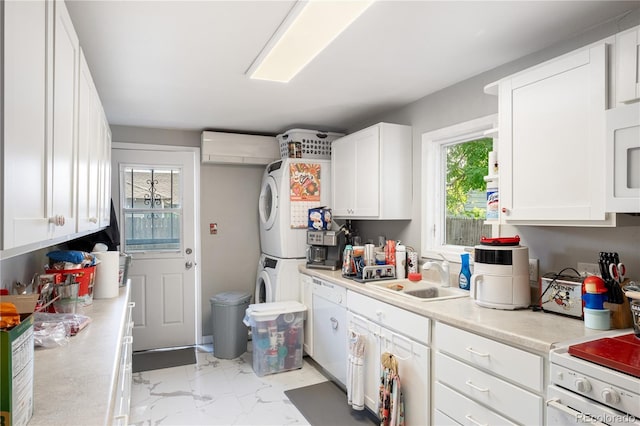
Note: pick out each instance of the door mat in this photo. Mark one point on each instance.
(326, 404)
(157, 359)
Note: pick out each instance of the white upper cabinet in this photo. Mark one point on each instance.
(104, 190)
(48, 182)
(623, 159)
(88, 151)
(26, 32)
(627, 69)
(66, 56)
(371, 173)
(552, 141)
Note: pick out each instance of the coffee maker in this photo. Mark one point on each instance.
(325, 249)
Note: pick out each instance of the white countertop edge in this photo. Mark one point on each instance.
(538, 332)
(76, 383)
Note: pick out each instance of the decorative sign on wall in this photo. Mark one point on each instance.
(304, 191)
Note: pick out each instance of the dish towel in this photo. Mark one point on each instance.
(355, 371)
(391, 401)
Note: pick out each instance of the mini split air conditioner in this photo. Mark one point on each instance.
(233, 148)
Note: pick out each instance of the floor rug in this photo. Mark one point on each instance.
(155, 360)
(326, 404)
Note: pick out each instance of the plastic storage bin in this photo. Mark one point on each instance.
(229, 333)
(278, 334)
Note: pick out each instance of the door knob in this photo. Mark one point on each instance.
(189, 264)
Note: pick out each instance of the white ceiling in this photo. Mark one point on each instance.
(181, 64)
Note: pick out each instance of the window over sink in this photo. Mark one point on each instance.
(454, 164)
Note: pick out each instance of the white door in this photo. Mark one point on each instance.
(155, 193)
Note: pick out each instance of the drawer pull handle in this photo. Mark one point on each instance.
(474, 421)
(479, 389)
(470, 349)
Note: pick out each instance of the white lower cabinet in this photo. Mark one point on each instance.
(125, 373)
(492, 383)
(462, 410)
(404, 334)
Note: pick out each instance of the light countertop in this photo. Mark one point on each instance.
(75, 384)
(535, 331)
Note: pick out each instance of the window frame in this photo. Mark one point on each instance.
(165, 252)
(433, 177)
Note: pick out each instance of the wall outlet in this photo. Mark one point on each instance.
(533, 269)
(586, 269)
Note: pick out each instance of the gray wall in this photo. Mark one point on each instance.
(229, 197)
(555, 247)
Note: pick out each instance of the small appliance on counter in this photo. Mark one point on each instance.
(325, 250)
(500, 278)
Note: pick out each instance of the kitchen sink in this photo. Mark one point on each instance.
(419, 290)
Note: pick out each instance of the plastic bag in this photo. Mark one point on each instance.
(50, 334)
(73, 322)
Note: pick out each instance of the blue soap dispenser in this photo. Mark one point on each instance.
(464, 279)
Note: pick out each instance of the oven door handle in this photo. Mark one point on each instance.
(555, 403)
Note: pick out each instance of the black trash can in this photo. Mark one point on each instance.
(230, 335)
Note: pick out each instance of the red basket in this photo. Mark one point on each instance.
(84, 276)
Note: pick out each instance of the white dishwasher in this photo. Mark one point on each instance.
(330, 328)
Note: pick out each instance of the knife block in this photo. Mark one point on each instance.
(620, 312)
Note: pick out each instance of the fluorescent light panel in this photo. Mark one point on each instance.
(309, 28)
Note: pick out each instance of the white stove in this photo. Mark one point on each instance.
(596, 382)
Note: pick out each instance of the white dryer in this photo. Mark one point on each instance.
(290, 187)
(277, 279)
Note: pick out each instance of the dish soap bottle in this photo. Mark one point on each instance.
(464, 279)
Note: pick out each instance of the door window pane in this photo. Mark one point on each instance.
(152, 200)
(465, 191)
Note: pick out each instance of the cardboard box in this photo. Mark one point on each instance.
(562, 296)
(319, 219)
(16, 364)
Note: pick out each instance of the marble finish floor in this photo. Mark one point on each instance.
(218, 392)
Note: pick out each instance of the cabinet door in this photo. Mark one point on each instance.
(65, 101)
(413, 369)
(104, 169)
(552, 140)
(87, 151)
(343, 153)
(27, 89)
(628, 66)
(367, 172)
(370, 332)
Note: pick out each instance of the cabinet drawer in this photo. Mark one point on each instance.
(514, 364)
(409, 324)
(441, 419)
(464, 410)
(518, 404)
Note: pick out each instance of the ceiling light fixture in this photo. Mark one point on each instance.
(309, 27)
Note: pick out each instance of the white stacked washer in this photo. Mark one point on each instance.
(283, 223)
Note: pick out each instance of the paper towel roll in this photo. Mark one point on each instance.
(106, 284)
